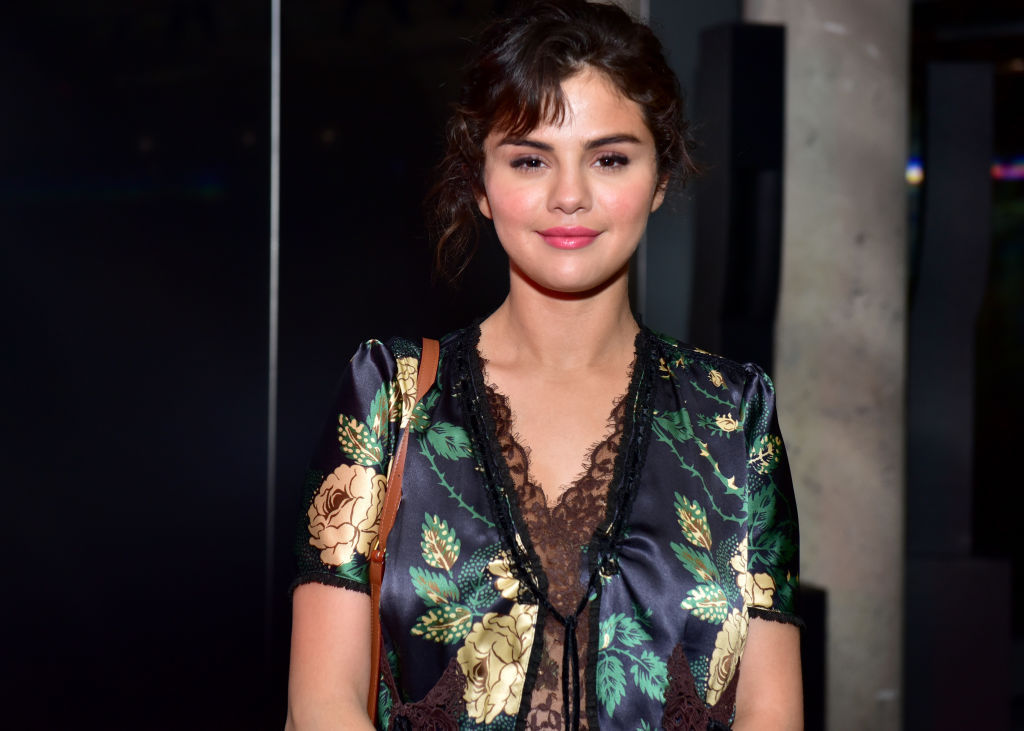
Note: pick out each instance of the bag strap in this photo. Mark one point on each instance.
(426, 375)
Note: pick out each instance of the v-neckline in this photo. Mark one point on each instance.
(504, 499)
(586, 467)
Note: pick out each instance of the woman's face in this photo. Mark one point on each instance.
(570, 201)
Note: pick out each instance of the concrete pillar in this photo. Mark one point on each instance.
(840, 345)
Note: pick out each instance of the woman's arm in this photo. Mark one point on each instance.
(769, 692)
(329, 675)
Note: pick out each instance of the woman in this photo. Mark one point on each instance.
(597, 526)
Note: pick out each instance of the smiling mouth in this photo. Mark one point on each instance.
(569, 237)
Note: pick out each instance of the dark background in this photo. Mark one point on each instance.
(134, 219)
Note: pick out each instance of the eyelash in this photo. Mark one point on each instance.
(610, 160)
(529, 163)
(613, 160)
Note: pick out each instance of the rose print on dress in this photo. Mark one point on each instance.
(494, 660)
(405, 380)
(344, 513)
(726, 656)
(756, 589)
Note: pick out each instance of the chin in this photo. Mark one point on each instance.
(572, 287)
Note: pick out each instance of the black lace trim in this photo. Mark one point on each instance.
(504, 502)
(604, 547)
(328, 580)
(499, 488)
(404, 347)
(774, 616)
(593, 645)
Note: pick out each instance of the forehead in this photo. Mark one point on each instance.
(590, 103)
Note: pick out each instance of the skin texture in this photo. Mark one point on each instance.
(769, 693)
(329, 673)
(561, 344)
(559, 348)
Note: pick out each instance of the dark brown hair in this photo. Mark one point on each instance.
(513, 83)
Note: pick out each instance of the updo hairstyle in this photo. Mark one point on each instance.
(513, 83)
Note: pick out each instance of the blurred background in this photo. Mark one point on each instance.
(864, 197)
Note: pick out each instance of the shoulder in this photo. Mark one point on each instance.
(682, 359)
(402, 346)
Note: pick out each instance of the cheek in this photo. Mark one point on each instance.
(630, 204)
(510, 203)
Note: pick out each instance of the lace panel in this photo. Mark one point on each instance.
(440, 708)
(687, 711)
(560, 534)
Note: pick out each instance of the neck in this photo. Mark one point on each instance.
(556, 332)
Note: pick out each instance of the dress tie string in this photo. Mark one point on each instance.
(570, 649)
(570, 669)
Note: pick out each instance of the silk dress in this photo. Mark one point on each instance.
(623, 605)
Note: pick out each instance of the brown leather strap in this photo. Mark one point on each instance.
(426, 375)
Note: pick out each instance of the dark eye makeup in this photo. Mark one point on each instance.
(527, 161)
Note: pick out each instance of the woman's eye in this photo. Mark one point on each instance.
(527, 162)
(612, 161)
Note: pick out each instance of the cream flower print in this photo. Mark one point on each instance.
(505, 581)
(758, 590)
(494, 660)
(738, 562)
(726, 423)
(726, 656)
(405, 396)
(344, 514)
(716, 378)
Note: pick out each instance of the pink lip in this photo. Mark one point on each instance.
(569, 237)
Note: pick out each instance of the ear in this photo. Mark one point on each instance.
(659, 194)
(484, 205)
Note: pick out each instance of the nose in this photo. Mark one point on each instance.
(570, 190)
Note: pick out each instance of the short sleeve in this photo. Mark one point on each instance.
(345, 484)
(773, 556)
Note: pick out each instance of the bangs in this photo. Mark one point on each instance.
(520, 105)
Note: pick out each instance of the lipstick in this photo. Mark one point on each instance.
(569, 237)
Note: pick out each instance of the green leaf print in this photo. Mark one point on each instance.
(707, 602)
(620, 635)
(762, 509)
(629, 632)
(676, 423)
(476, 582)
(650, 673)
(353, 572)
(449, 441)
(433, 588)
(694, 522)
(697, 562)
(772, 548)
(447, 624)
(765, 453)
(607, 629)
(783, 588)
(440, 545)
(419, 421)
(611, 682)
(380, 407)
(644, 726)
(358, 442)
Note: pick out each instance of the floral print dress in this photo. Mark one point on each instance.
(625, 605)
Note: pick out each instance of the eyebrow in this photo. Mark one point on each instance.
(591, 144)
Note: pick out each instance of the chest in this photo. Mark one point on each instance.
(559, 423)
